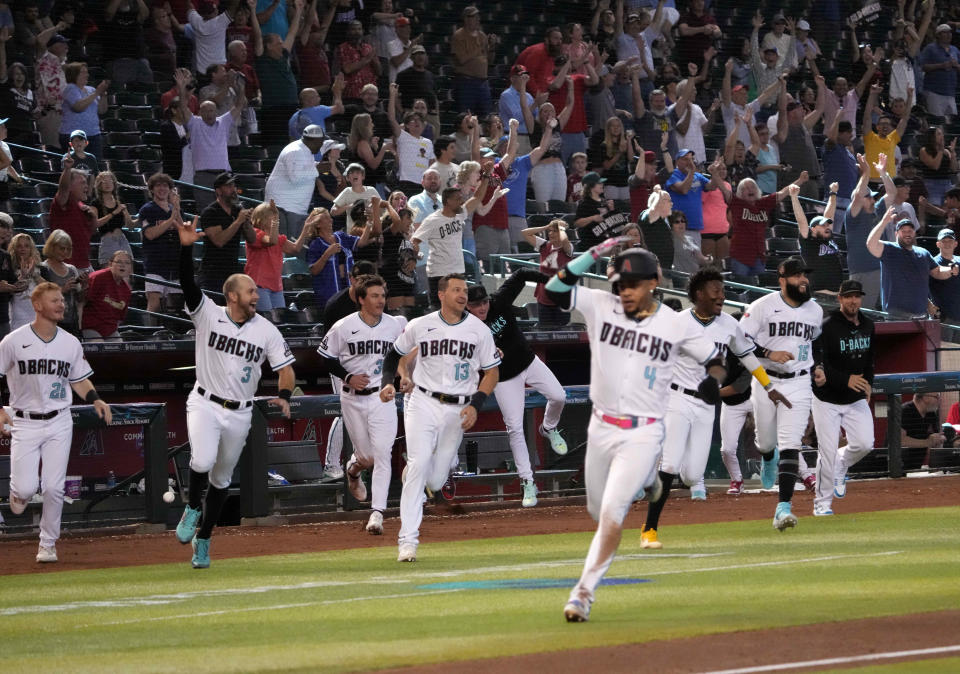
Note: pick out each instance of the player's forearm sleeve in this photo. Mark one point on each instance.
(334, 367)
(390, 364)
(751, 363)
(192, 295)
(558, 288)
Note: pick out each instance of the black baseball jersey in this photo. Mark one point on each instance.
(517, 354)
(843, 348)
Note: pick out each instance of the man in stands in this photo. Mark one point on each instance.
(278, 85)
(538, 59)
(471, 51)
(69, 213)
(311, 112)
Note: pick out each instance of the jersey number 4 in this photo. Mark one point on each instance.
(650, 374)
(461, 371)
(58, 391)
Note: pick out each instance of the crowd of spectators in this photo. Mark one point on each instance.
(428, 149)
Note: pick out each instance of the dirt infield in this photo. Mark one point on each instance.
(95, 552)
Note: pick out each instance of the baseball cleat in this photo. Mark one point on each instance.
(822, 511)
(698, 494)
(529, 494)
(557, 443)
(408, 553)
(17, 504)
(375, 523)
(201, 553)
(810, 482)
(332, 473)
(768, 470)
(648, 540)
(576, 611)
(840, 485)
(188, 524)
(736, 488)
(449, 490)
(783, 518)
(47, 555)
(355, 484)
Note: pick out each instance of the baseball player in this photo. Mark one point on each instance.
(232, 342)
(843, 379)
(520, 367)
(42, 362)
(736, 407)
(634, 345)
(688, 423)
(355, 347)
(453, 348)
(783, 325)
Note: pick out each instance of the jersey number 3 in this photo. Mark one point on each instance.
(247, 372)
(58, 391)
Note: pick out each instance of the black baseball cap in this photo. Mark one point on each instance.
(792, 266)
(851, 287)
(476, 294)
(225, 178)
(592, 178)
(635, 264)
(905, 222)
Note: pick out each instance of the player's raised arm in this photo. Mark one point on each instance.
(507, 293)
(558, 288)
(189, 235)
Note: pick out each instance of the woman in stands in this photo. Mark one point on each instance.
(463, 137)
(55, 268)
(610, 157)
(158, 220)
(398, 261)
(112, 217)
(939, 169)
(18, 105)
(549, 176)
(82, 107)
(363, 214)
(26, 264)
(577, 50)
(368, 150)
(496, 137)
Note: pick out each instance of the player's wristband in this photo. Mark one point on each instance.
(92, 396)
(477, 400)
(285, 394)
(761, 375)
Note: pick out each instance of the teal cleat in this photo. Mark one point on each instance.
(783, 518)
(188, 525)
(529, 494)
(557, 443)
(201, 553)
(768, 470)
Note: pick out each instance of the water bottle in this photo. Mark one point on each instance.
(111, 480)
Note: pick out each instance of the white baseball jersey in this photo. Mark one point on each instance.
(359, 347)
(775, 325)
(451, 355)
(39, 373)
(726, 335)
(230, 356)
(632, 362)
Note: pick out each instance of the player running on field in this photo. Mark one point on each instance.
(232, 343)
(634, 345)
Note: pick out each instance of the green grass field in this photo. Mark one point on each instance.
(360, 609)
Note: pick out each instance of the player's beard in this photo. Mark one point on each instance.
(796, 294)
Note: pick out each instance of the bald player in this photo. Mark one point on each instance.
(232, 343)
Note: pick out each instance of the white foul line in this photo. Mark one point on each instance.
(840, 661)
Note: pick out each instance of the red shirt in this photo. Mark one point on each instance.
(265, 263)
(173, 93)
(574, 188)
(78, 225)
(540, 66)
(578, 116)
(748, 231)
(551, 260)
(245, 35)
(497, 217)
(353, 83)
(107, 301)
(314, 66)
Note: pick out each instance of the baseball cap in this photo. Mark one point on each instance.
(476, 294)
(592, 178)
(224, 178)
(330, 144)
(904, 222)
(793, 105)
(313, 131)
(419, 49)
(739, 87)
(633, 17)
(58, 39)
(779, 18)
(898, 181)
(682, 153)
(803, 25)
(820, 220)
(851, 287)
(946, 234)
(470, 10)
(402, 21)
(649, 157)
(635, 264)
(518, 70)
(944, 28)
(4, 120)
(78, 132)
(604, 70)
(771, 48)
(792, 266)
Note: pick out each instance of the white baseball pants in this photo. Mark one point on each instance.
(777, 425)
(732, 419)
(335, 434)
(433, 439)
(510, 399)
(217, 436)
(688, 427)
(39, 451)
(856, 420)
(618, 464)
(372, 426)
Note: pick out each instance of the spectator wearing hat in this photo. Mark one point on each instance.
(224, 224)
(312, 113)
(817, 246)
(596, 219)
(209, 136)
(883, 141)
(400, 49)
(331, 180)
(354, 191)
(292, 181)
(107, 299)
(766, 63)
(686, 185)
(82, 107)
(209, 28)
(51, 81)
(471, 51)
(807, 47)
(82, 159)
(417, 82)
(940, 62)
(537, 59)
(358, 61)
(634, 39)
(795, 140)
(905, 268)
(158, 220)
(645, 176)
(783, 38)
(945, 293)
(278, 84)
(840, 162)
(517, 103)
(734, 104)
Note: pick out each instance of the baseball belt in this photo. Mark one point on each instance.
(36, 416)
(626, 422)
(360, 392)
(787, 375)
(448, 398)
(229, 404)
(686, 391)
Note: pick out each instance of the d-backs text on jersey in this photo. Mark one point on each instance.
(634, 340)
(235, 347)
(793, 329)
(59, 368)
(366, 347)
(447, 347)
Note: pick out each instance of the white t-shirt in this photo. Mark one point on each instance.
(293, 178)
(444, 235)
(348, 198)
(632, 362)
(448, 174)
(450, 355)
(230, 356)
(693, 138)
(775, 325)
(728, 112)
(395, 48)
(5, 149)
(413, 157)
(210, 40)
(40, 373)
(725, 334)
(360, 347)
